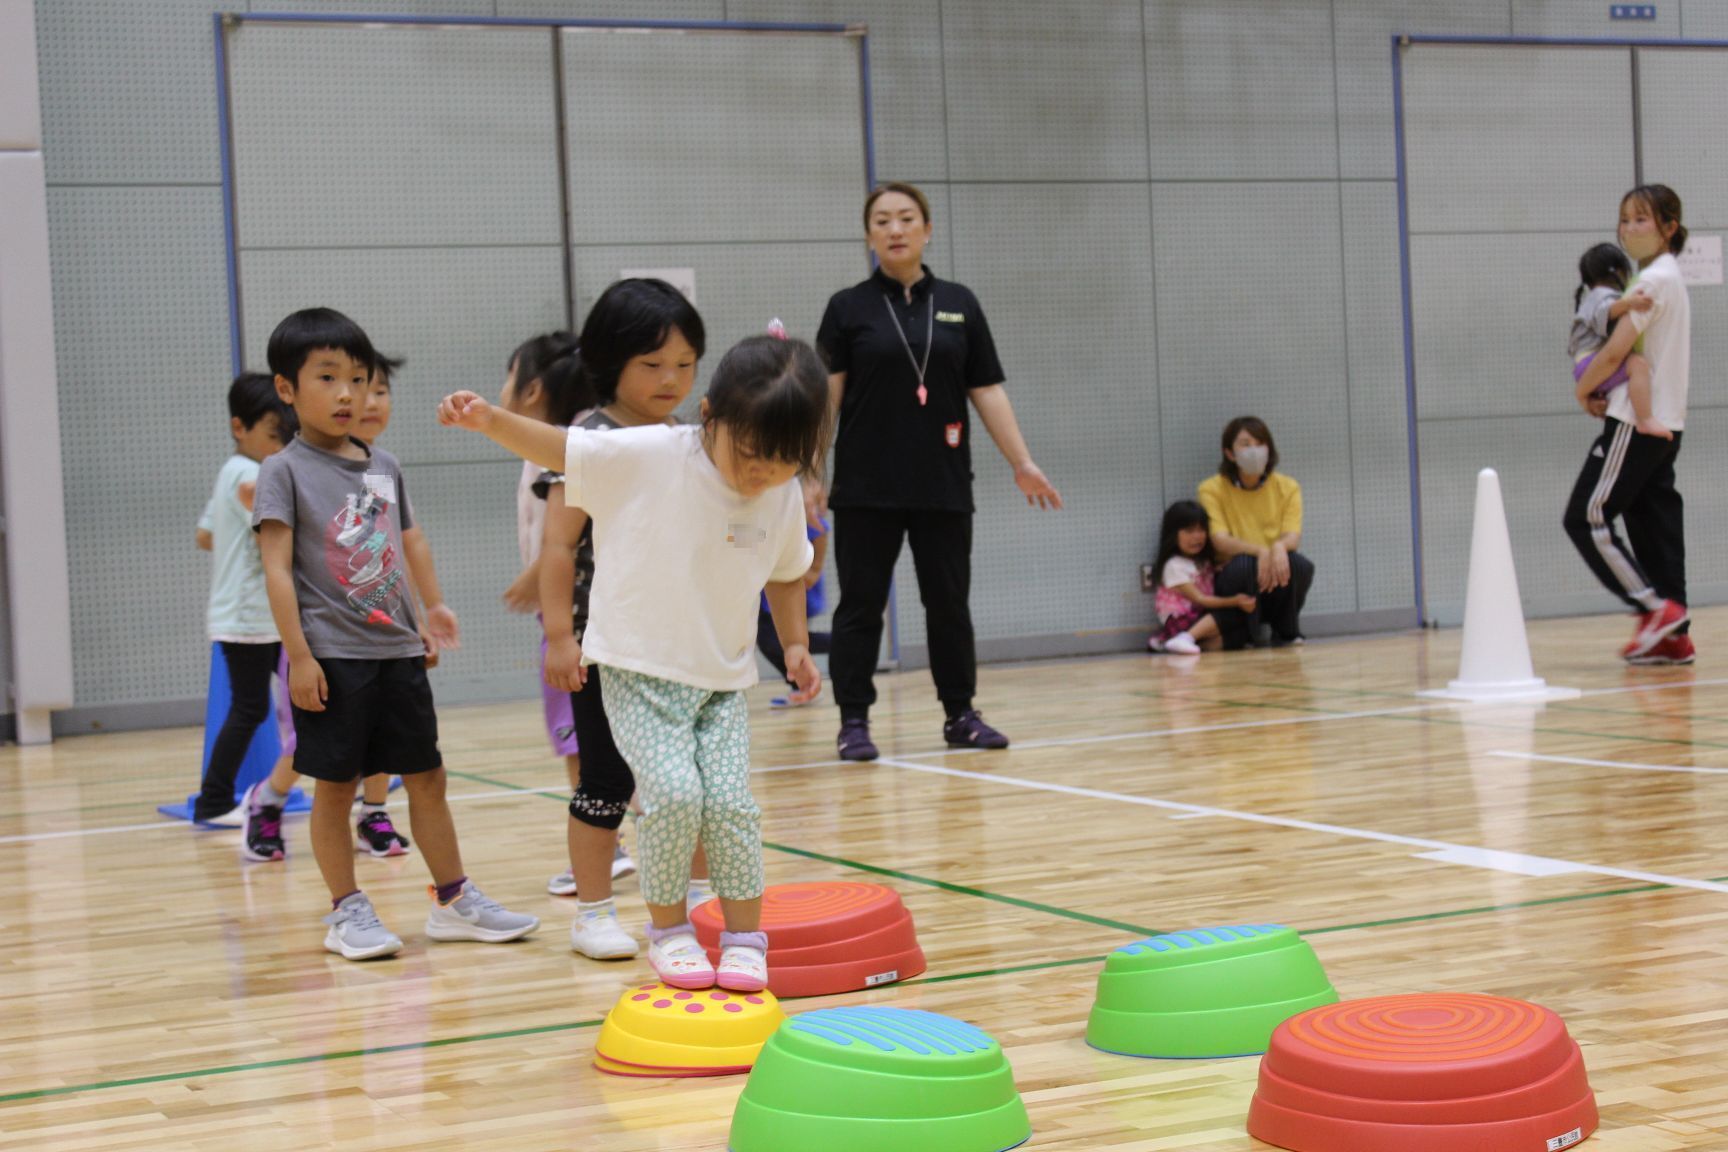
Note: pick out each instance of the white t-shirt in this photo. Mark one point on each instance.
(680, 557)
(1180, 570)
(1667, 331)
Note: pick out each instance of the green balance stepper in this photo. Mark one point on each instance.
(1205, 992)
(879, 1079)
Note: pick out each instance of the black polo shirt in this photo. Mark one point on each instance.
(891, 451)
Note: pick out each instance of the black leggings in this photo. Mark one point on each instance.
(1280, 609)
(250, 667)
(604, 794)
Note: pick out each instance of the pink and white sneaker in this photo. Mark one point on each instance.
(678, 959)
(742, 969)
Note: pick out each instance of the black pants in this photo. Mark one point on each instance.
(607, 783)
(866, 547)
(250, 667)
(1631, 477)
(1279, 609)
(768, 642)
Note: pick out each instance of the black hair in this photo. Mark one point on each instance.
(252, 396)
(552, 360)
(1180, 515)
(1256, 428)
(1664, 204)
(310, 329)
(631, 318)
(772, 395)
(1602, 266)
(388, 366)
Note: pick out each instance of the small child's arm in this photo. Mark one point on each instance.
(558, 539)
(523, 595)
(532, 440)
(306, 684)
(440, 619)
(1213, 603)
(786, 605)
(1630, 302)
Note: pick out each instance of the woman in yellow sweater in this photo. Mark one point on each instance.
(1256, 515)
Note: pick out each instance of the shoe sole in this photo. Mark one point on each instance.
(969, 744)
(446, 933)
(738, 982)
(377, 953)
(859, 757)
(367, 850)
(246, 853)
(690, 982)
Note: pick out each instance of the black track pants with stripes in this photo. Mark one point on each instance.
(1631, 478)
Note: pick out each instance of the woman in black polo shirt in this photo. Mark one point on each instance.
(906, 352)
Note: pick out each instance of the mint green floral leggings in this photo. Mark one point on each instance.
(689, 749)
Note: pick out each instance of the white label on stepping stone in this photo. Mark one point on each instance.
(1497, 861)
(887, 977)
(1566, 1141)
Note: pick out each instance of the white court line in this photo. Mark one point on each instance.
(1442, 849)
(1579, 760)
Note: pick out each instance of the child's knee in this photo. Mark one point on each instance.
(335, 791)
(425, 785)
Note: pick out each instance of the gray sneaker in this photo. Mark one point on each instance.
(475, 916)
(356, 933)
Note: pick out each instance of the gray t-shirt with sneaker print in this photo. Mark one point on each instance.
(350, 579)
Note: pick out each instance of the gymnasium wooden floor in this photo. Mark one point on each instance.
(157, 993)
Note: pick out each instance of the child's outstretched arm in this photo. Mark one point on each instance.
(786, 605)
(440, 620)
(306, 684)
(530, 439)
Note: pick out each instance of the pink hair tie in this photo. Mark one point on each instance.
(777, 329)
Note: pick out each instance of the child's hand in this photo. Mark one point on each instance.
(523, 595)
(307, 686)
(1245, 602)
(441, 625)
(1654, 427)
(564, 670)
(431, 643)
(467, 410)
(1638, 302)
(801, 672)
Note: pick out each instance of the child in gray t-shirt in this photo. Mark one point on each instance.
(1600, 301)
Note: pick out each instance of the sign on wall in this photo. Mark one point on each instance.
(1701, 260)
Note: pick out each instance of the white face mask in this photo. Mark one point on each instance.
(1251, 462)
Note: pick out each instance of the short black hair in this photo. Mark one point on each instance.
(1602, 266)
(551, 358)
(632, 318)
(310, 329)
(387, 366)
(772, 395)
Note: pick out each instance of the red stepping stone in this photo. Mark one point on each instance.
(825, 938)
(1433, 1072)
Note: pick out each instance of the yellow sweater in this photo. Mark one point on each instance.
(1257, 516)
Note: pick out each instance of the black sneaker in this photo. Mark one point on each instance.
(968, 730)
(261, 835)
(854, 741)
(377, 836)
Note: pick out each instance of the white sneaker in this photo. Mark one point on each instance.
(563, 884)
(742, 969)
(356, 933)
(596, 933)
(1182, 644)
(475, 916)
(622, 865)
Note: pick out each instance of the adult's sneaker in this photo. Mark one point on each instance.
(968, 730)
(1654, 626)
(375, 835)
(854, 741)
(356, 933)
(261, 829)
(1675, 649)
(473, 915)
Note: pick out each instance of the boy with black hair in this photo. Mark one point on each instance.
(238, 616)
(330, 513)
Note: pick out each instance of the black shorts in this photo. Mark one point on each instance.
(378, 718)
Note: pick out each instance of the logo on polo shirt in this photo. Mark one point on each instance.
(951, 317)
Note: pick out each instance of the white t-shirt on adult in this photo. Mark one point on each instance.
(530, 514)
(680, 557)
(1667, 331)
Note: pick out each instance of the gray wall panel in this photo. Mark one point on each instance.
(1492, 135)
(141, 344)
(905, 75)
(1589, 18)
(1363, 51)
(1234, 340)
(1037, 92)
(128, 91)
(1379, 427)
(711, 137)
(1093, 429)
(1492, 313)
(1703, 19)
(455, 313)
(1685, 146)
(370, 136)
(1241, 92)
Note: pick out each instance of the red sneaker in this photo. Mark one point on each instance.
(1654, 627)
(1670, 650)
